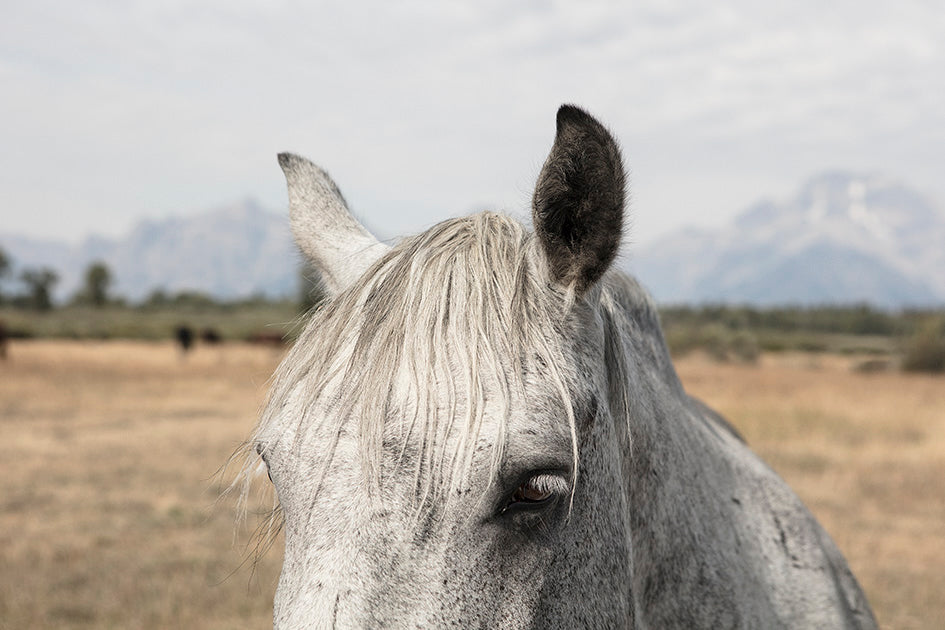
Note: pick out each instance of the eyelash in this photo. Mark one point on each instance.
(548, 487)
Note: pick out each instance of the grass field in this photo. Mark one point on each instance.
(109, 511)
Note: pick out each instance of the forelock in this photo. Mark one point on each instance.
(444, 321)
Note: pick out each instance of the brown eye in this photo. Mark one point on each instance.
(534, 490)
(541, 491)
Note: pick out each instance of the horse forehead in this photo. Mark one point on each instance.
(533, 417)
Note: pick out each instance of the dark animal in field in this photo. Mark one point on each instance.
(274, 339)
(211, 337)
(185, 338)
(3, 340)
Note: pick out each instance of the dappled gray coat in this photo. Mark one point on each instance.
(482, 429)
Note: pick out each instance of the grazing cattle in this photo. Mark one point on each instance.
(185, 338)
(274, 339)
(482, 428)
(211, 337)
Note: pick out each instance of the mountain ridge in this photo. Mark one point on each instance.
(841, 238)
(230, 251)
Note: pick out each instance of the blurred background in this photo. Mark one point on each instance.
(787, 212)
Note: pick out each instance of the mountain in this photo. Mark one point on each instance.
(232, 251)
(842, 238)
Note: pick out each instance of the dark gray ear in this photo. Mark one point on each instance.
(578, 204)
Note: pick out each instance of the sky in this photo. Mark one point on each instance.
(116, 111)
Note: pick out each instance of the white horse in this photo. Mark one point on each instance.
(482, 428)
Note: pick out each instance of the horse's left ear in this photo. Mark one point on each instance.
(578, 203)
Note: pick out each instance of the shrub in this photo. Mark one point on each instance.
(745, 347)
(714, 339)
(925, 351)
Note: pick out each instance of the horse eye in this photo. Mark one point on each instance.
(530, 492)
(538, 489)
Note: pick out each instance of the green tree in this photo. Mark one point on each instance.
(39, 283)
(97, 280)
(5, 265)
(158, 298)
(925, 351)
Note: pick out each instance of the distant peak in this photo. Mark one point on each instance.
(247, 204)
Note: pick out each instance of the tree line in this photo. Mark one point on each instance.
(32, 289)
(726, 331)
(36, 286)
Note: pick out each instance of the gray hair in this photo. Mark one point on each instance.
(444, 313)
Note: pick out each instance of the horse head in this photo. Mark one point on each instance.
(440, 437)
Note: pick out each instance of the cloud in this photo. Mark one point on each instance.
(422, 111)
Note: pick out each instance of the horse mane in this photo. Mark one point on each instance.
(464, 305)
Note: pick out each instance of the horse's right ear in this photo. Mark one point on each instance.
(578, 204)
(339, 247)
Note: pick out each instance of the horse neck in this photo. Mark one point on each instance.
(673, 459)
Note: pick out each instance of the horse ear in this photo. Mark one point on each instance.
(578, 204)
(339, 247)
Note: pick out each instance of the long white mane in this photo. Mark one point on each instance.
(441, 319)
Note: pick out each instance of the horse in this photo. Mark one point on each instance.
(481, 427)
(184, 335)
(211, 336)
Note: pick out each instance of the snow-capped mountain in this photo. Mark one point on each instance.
(232, 251)
(842, 238)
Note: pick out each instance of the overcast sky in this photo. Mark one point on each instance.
(114, 111)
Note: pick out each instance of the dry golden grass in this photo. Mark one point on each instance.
(107, 515)
(107, 509)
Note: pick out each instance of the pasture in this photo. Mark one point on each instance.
(110, 513)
